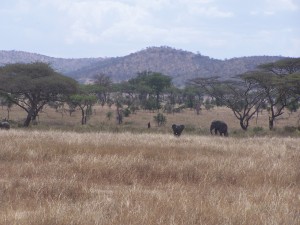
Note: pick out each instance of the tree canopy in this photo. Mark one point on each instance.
(280, 83)
(84, 100)
(241, 96)
(151, 83)
(31, 86)
(274, 85)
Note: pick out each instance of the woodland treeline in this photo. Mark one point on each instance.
(274, 87)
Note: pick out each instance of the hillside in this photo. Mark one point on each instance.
(179, 64)
(60, 64)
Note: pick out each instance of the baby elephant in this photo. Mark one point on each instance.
(219, 126)
(177, 129)
(4, 125)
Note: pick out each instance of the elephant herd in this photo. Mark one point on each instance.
(217, 126)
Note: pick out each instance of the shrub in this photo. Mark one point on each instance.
(290, 129)
(127, 112)
(257, 129)
(191, 128)
(160, 119)
(208, 104)
(109, 115)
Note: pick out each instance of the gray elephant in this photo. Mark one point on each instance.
(219, 126)
(4, 125)
(177, 129)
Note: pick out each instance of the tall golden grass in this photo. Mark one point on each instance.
(55, 177)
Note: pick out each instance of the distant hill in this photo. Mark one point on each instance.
(179, 64)
(60, 64)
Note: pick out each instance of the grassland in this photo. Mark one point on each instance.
(59, 172)
(49, 119)
(55, 177)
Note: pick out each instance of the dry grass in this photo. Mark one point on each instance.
(52, 177)
(137, 123)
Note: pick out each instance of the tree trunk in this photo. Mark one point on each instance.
(157, 101)
(83, 119)
(243, 126)
(8, 113)
(119, 116)
(271, 123)
(198, 108)
(34, 116)
(28, 119)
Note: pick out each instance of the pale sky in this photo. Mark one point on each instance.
(108, 28)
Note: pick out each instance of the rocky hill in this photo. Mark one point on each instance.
(60, 64)
(179, 64)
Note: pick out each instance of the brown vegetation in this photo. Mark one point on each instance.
(138, 122)
(50, 174)
(55, 177)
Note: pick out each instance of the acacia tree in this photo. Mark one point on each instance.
(31, 86)
(139, 86)
(241, 96)
(158, 83)
(280, 83)
(128, 95)
(84, 100)
(102, 87)
(150, 83)
(173, 97)
(193, 97)
(282, 67)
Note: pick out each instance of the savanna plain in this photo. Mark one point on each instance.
(59, 172)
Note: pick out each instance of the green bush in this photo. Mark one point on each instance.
(160, 119)
(191, 128)
(127, 112)
(258, 129)
(109, 115)
(290, 129)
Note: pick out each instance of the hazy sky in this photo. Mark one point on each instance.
(105, 28)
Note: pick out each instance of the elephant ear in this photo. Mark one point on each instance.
(174, 126)
(180, 128)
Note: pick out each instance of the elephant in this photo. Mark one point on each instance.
(177, 129)
(219, 126)
(4, 125)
